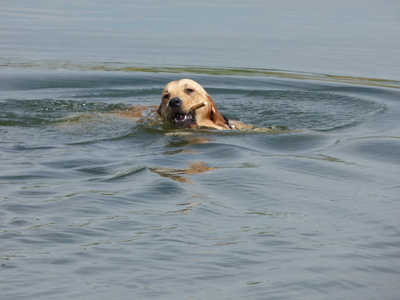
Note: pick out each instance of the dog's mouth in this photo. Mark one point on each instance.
(183, 120)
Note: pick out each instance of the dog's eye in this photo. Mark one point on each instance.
(166, 96)
(189, 91)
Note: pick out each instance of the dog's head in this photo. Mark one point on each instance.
(185, 103)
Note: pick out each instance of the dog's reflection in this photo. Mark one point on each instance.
(181, 175)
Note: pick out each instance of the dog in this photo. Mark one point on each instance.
(186, 104)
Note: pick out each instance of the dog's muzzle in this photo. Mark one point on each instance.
(179, 118)
(175, 103)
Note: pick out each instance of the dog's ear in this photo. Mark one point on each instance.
(215, 116)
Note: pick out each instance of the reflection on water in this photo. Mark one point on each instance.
(185, 138)
(98, 205)
(194, 167)
(227, 71)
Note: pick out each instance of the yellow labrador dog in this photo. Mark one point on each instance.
(186, 104)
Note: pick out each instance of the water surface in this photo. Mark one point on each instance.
(97, 206)
(353, 38)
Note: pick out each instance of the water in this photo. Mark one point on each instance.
(96, 206)
(343, 37)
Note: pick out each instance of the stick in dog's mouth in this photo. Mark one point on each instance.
(197, 106)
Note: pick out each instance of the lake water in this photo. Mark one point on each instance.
(97, 206)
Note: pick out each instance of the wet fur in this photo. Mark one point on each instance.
(192, 95)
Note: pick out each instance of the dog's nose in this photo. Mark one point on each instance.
(175, 102)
